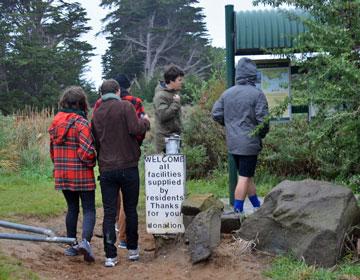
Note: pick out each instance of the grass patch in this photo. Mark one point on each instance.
(31, 195)
(218, 186)
(11, 269)
(288, 268)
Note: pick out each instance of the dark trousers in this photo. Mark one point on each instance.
(88, 206)
(111, 182)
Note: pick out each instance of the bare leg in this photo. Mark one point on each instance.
(252, 188)
(242, 187)
(122, 221)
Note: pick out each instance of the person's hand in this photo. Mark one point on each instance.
(177, 98)
(146, 117)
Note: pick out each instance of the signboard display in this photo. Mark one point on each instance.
(274, 79)
(164, 193)
(275, 83)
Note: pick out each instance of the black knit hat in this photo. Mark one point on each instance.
(123, 81)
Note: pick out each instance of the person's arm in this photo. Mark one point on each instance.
(217, 111)
(135, 125)
(52, 151)
(96, 106)
(165, 111)
(140, 109)
(86, 149)
(261, 112)
(96, 140)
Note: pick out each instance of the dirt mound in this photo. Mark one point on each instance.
(49, 262)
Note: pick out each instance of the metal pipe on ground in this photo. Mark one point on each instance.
(37, 238)
(22, 227)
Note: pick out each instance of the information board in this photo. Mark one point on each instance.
(164, 193)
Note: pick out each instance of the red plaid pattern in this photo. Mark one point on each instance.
(139, 108)
(137, 102)
(72, 152)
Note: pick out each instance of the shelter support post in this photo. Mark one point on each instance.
(230, 76)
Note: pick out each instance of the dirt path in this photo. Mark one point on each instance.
(49, 262)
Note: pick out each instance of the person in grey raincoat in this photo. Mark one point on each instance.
(241, 109)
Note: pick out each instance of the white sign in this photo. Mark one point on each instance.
(164, 191)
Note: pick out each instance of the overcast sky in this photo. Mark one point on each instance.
(214, 11)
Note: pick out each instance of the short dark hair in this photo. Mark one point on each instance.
(171, 73)
(74, 97)
(109, 86)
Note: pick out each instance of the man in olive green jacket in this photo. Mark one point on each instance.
(167, 106)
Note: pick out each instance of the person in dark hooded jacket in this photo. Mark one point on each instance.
(241, 109)
(167, 106)
(72, 151)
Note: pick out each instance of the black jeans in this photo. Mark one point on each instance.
(111, 182)
(89, 213)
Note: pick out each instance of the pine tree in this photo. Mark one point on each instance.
(43, 53)
(146, 35)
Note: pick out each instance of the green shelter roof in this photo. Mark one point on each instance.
(267, 29)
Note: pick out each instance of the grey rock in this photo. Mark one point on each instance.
(308, 218)
(187, 219)
(194, 204)
(203, 234)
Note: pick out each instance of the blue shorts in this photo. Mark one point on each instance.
(246, 165)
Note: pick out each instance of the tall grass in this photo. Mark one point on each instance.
(24, 142)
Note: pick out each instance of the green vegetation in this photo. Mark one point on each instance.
(146, 35)
(328, 78)
(40, 52)
(26, 194)
(11, 269)
(325, 148)
(287, 268)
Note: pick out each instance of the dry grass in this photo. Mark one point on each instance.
(24, 139)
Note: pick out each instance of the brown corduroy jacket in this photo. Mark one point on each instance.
(115, 126)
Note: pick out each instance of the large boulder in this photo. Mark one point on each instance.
(307, 218)
(203, 234)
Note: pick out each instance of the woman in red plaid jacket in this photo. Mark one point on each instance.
(73, 154)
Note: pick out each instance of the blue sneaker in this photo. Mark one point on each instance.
(85, 249)
(122, 244)
(72, 251)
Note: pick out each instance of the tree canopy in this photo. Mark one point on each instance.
(146, 35)
(40, 51)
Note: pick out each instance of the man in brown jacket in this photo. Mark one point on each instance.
(115, 126)
(167, 106)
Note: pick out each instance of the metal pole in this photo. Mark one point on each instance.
(230, 44)
(39, 238)
(38, 230)
(230, 75)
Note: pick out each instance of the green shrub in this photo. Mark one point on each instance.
(196, 158)
(145, 89)
(288, 150)
(203, 139)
